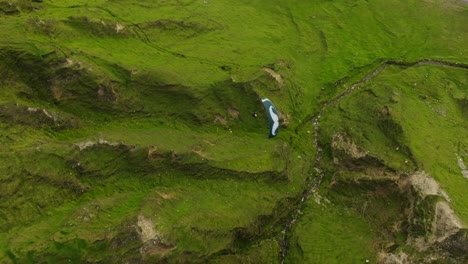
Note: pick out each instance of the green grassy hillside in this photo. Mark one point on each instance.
(128, 130)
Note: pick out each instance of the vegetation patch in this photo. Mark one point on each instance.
(133, 131)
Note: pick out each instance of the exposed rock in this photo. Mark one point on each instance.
(166, 195)
(88, 144)
(341, 144)
(147, 230)
(425, 185)
(153, 243)
(37, 117)
(448, 235)
(119, 27)
(98, 27)
(275, 75)
(57, 91)
(155, 154)
(457, 245)
(284, 119)
(464, 169)
(199, 151)
(320, 200)
(390, 258)
(446, 222)
(419, 243)
(108, 93)
(220, 119)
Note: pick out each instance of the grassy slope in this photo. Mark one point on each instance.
(204, 52)
(426, 106)
(332, 234)
(425, 103)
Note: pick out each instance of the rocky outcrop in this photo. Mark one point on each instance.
(37, 117)
(445, 237)
(153, 241)
(391, 258)
(348, 154)
(425, 185)
(8, 8)
(344, 146)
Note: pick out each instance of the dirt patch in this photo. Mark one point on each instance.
(152, 152)
(199, 151)
(275, 75)
(341, 144)
(220, 119)
(209, 142)
(284, 119)
(57, 91)
(166, 195)
(155, 247)
(119, 27)
(233, 113)
(108, 93)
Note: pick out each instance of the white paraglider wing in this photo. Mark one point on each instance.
(272, 115)
(275, 121)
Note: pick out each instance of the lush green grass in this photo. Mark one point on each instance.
(186, 77)
(319, 42)
(113, 185)
(213, 208)
(350, 221)
(174, 218)
(414, 114)
(331, 233)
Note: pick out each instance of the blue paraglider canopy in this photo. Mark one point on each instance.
(273, 117)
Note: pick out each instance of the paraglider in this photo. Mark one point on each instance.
(273, 117)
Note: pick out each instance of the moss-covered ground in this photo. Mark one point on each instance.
(133, 131)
